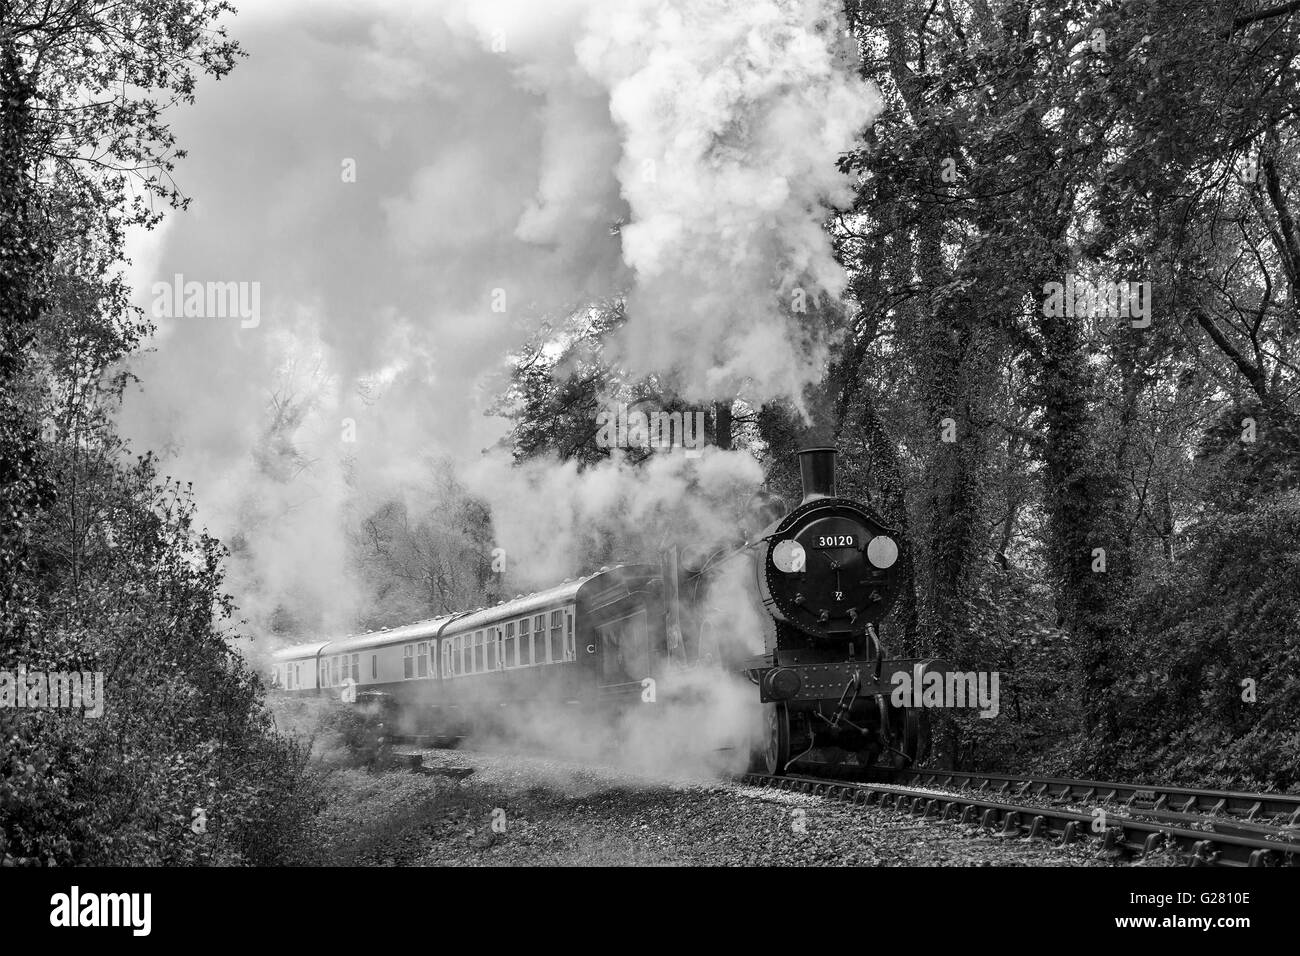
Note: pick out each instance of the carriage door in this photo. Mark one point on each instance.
(624, 649)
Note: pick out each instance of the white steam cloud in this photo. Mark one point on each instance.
(671, 498)
(511, 160)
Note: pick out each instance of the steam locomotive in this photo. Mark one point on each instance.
(792, 609)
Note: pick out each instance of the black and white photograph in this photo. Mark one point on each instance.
(854, 438)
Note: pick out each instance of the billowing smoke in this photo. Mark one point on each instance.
(418, 188)
(669, 499)
(726, 114)
(702, 722)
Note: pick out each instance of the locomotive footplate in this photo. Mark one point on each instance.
(793, 683)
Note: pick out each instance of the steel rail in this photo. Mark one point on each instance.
(1153, 797)
(1117, 835)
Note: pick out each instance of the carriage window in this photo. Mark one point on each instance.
(356, 668)
(408, 662)
(511, 659)
(478, 651)
(322, 678)
(570, 652)
(467, 653)
(422, 660)
(525, 645)
(525, 637)
(374, 667)
(501, 648)
(557, 635)
(491, 648)
(335, 679)
(539, 645)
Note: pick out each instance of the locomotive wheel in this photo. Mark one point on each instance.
(776, 753)
(868, 756)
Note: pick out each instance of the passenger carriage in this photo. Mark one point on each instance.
(587, 642)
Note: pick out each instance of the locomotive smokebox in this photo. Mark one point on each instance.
(817, 470)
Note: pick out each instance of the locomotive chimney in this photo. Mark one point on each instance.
(817, 470)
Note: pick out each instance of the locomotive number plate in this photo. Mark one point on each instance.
(837, 541)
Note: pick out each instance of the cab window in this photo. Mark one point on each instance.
(624, 649)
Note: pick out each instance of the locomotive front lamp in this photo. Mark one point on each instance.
(882, 552)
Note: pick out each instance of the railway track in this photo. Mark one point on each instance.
(1281, 809)
(1209, 827)
(1231, 831)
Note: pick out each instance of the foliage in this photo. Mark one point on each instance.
(1075, 531)
(104, 568)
